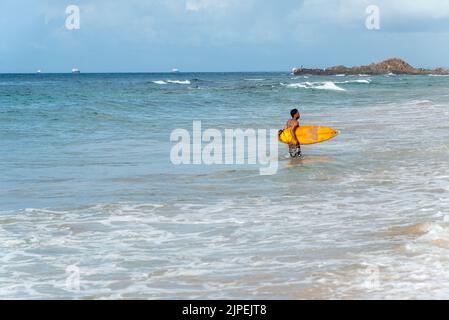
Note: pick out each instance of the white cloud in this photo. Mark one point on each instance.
(353, 9)
(220, 7)
(197, 5)
(423, 9)
(396, 15)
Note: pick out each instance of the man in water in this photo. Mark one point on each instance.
(292, 125)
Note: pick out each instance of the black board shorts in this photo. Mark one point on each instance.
(294, 150)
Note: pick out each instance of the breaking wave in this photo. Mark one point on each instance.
(367, 81)
(327, 85)
(162, 82)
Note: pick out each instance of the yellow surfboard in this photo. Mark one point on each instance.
(308, 135)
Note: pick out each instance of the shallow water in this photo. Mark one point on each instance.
(87, 182)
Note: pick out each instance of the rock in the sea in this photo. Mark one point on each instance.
(296, 71)
(395, 65)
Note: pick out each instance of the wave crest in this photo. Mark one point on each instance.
(327, 85)
(164, 82)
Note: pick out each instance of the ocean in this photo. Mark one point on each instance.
(91, 207)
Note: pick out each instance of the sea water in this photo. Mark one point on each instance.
(92, 207)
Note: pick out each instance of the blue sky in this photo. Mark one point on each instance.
(218, 35)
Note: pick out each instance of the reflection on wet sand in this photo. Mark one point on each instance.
(308, 160)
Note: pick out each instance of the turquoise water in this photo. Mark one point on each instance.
(87, 181)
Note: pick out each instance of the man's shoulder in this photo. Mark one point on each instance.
(293, 122)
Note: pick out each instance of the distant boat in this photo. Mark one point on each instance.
(39, 71)
(175, 70)
(76, 71)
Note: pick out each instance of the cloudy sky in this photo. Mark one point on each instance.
(218, 35)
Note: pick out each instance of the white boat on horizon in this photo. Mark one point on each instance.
(76, 71)
(174, 70)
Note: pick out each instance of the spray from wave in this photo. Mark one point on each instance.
(328, 85)
(162, 82)
(367, 81)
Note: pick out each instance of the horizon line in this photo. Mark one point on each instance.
(142, 72)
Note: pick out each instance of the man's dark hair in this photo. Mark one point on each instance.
(293, 112)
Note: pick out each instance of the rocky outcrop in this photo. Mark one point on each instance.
(396, 66)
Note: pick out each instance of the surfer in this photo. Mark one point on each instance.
(293, 124)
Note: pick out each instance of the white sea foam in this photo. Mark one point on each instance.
(179, 81)
(327, 85)
(295, 85)
(162, 82)
(367, 81)
(340, 75)
(438, 75)
(420, 102)
(228, 246)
